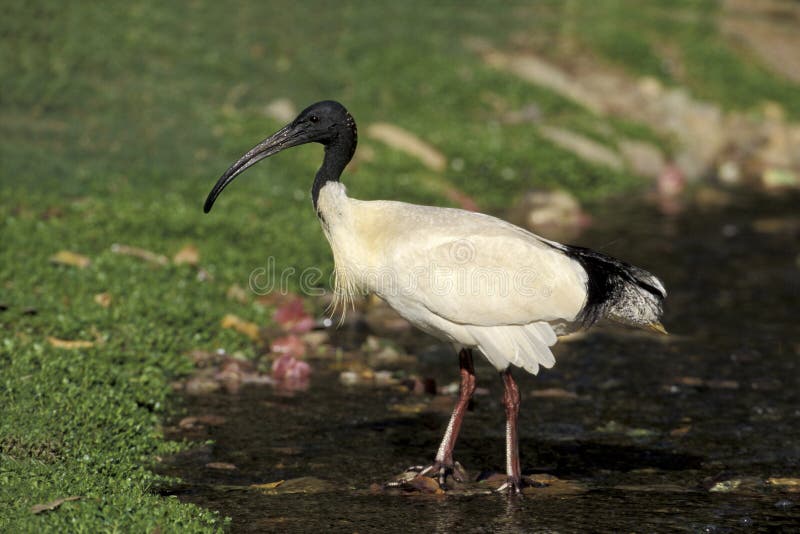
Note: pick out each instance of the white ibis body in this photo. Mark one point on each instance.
(471, 279)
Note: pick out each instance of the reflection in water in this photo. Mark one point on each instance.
(676, 433)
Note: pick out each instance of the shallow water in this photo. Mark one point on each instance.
(656, 423)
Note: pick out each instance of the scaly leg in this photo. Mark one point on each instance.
(444, 466)
(511, 401)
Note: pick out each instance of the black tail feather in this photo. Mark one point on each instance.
(617, 290)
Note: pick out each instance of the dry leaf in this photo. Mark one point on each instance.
(237, 293)
(66, 257)
(103, 299)
(784, 481)
(188, 254)
(140, 253)
(69, 344)
(680, 431)
(39, 508)
(247, 328)
(407, 142)
(268, 485)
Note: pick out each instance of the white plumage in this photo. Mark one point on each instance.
(471, 279)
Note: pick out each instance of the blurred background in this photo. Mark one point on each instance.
(632, 120)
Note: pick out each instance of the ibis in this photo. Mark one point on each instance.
(469, 279)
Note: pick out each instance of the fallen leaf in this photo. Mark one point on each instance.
(188, 254)
(140, 253)
(725, 486)
(425, 485)
(408, 408)
(103, 299)
(237, 293)
(225, 466)
(292, 317)
(784, 481)
(69, 344)
(247, 328)
(680, 431)
(407, 142)
(268, 485)
(52, 505)
(66, 257)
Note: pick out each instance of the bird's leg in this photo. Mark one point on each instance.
(443, 466)
(511, 401)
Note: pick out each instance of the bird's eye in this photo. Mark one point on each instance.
(313, 118)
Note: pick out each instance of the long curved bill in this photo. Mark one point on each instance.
(286, 137)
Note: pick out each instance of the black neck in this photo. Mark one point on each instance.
(338, 154)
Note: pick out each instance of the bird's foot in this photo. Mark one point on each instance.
(514, 486)
(438, 471)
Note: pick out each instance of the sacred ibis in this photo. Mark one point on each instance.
(470, 279)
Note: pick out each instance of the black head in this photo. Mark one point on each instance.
(326, 122)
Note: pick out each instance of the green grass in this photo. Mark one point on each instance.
(677, 42)
(116, 120)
